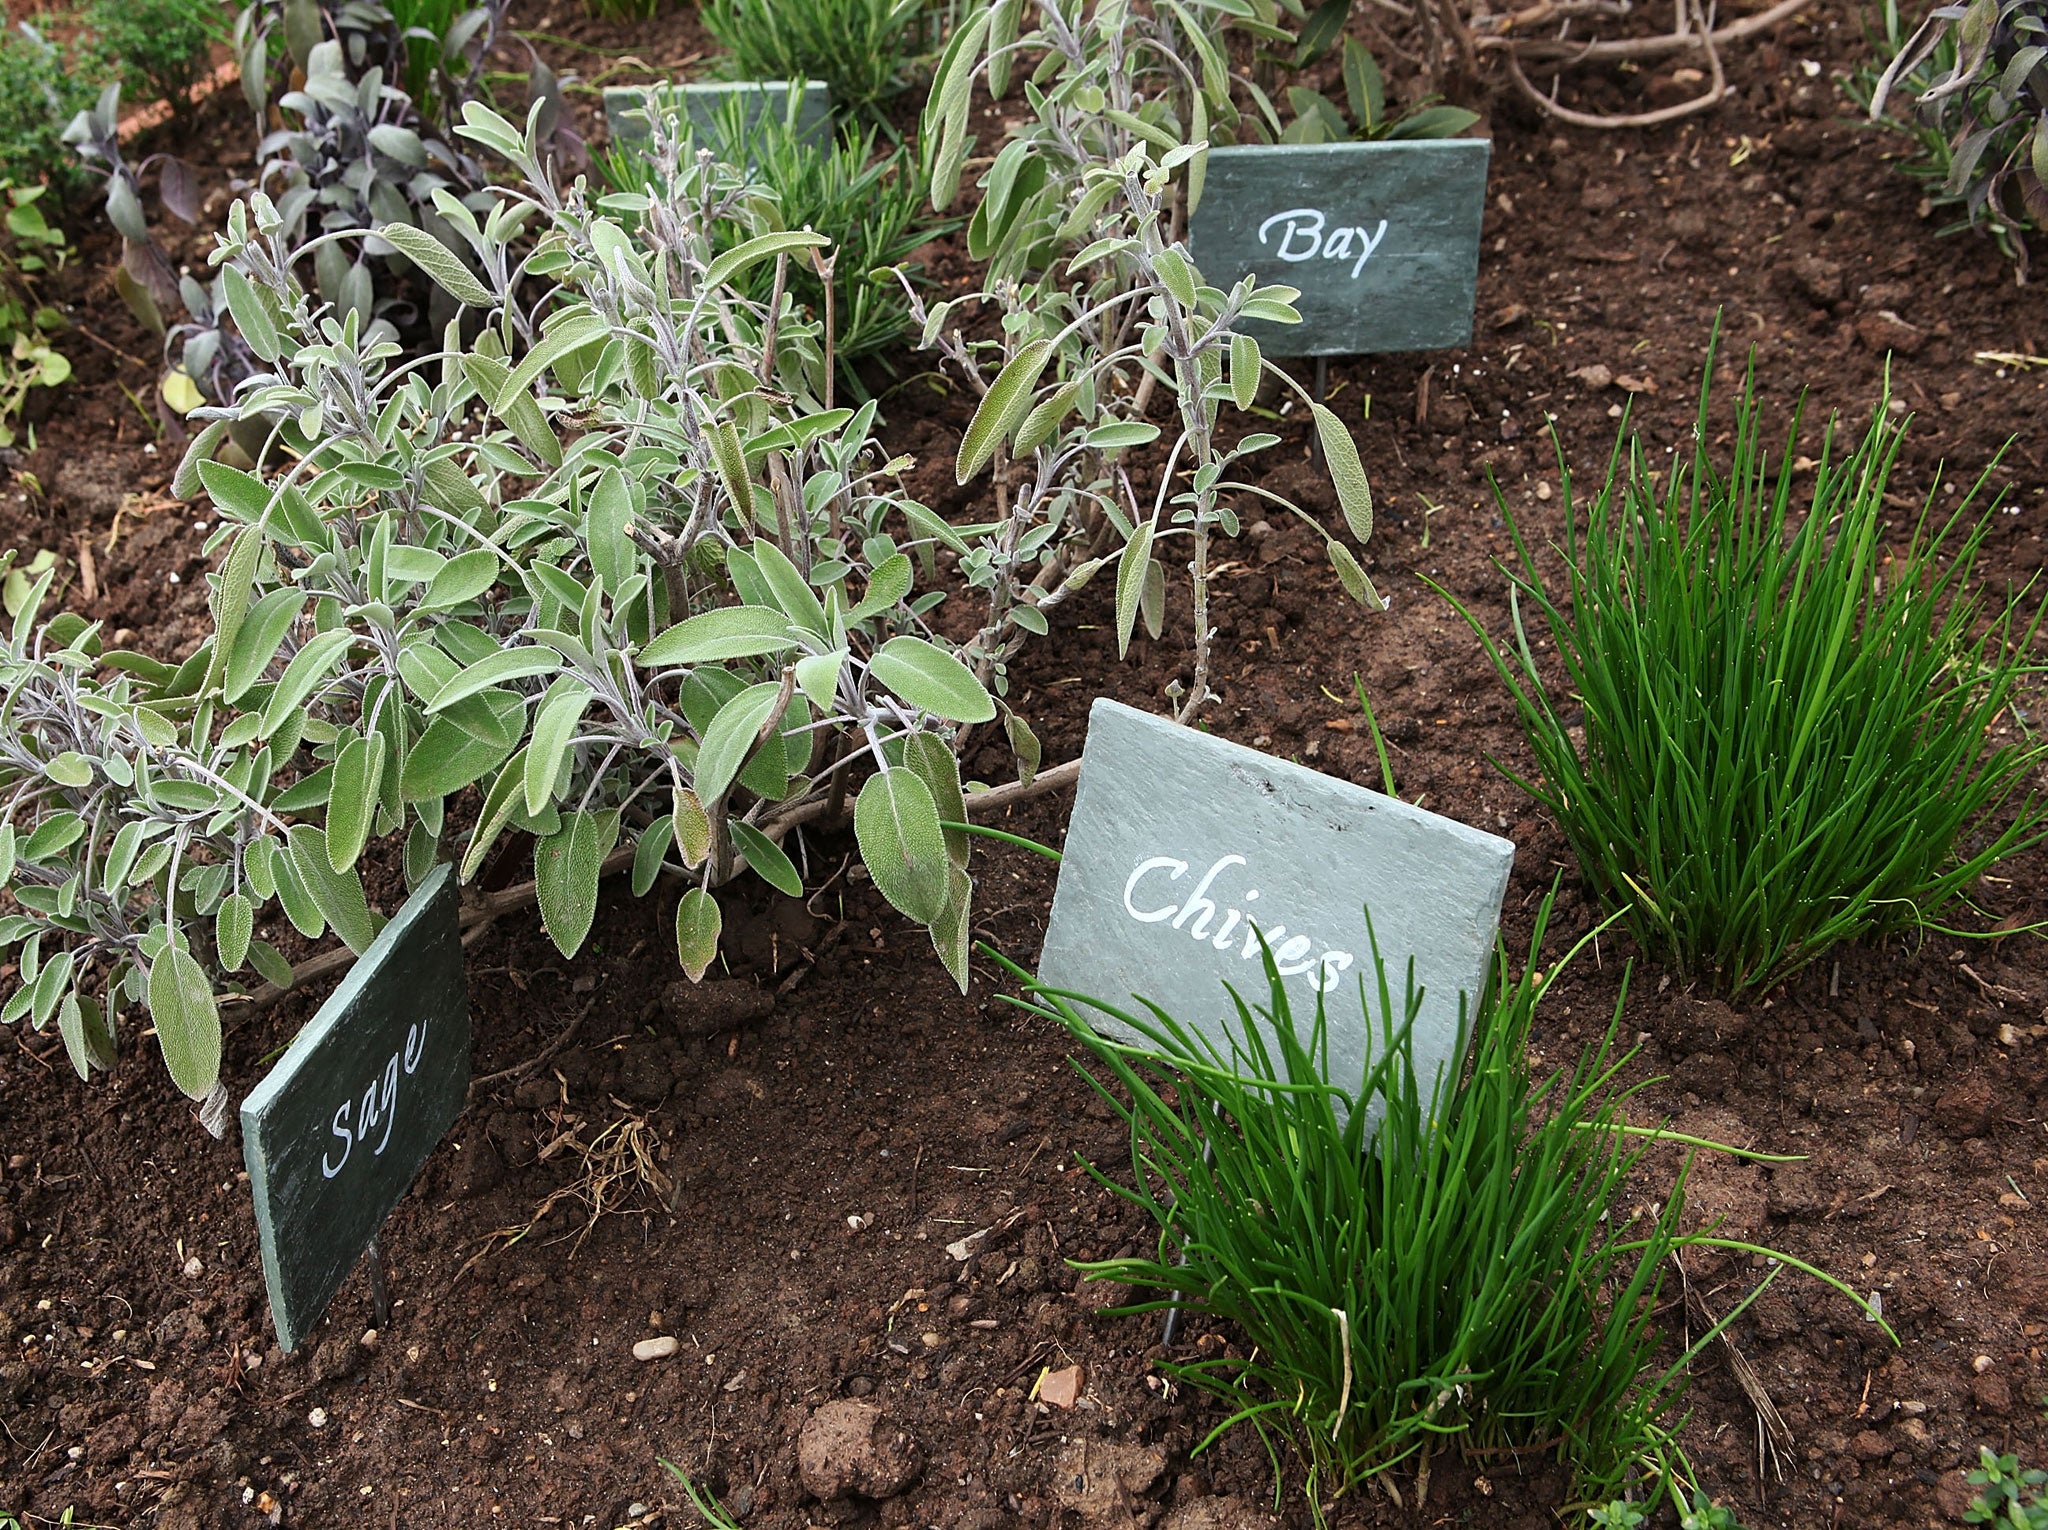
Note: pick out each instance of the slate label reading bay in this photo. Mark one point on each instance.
(1381, 238)
(336, 1132)
(1185, 848)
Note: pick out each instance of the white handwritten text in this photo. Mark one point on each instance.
(1302, 237)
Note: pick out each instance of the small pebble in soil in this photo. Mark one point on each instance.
(1981, 1364)
(656, 1349)
(193, 1267)
(369, 1339)
(1060, 1389)
(317, 1418)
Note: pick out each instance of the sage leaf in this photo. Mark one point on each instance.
(1002, 408)
(929, 678)
(1346, 472)
(1132, 570)
(232, 927)
(730, 739)
(697, 927)
(897, 826)
(434, 258)
(767, 858)
(565, 872)
(187, 1021)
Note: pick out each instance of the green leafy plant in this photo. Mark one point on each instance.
(355, 146)
(863, 49)
(1619, 1514)
(623, 10)
(162, 44)
(609, 562)
(2007, 1498)
(1318, 119)
(1098, 305)
(1771, 733)
(28, 247)
(1978, 72)
(870, 205)
(1702, 1513)
(39, 91)
(1408, 1263)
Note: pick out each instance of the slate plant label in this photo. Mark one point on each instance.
(336, 1132)
(704, 105)
(1183, 848)
(1381, 238)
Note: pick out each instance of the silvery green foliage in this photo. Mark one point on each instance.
(1989, 103)
(1081, 219)
(610, 566)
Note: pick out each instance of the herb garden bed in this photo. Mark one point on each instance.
(771, 1167)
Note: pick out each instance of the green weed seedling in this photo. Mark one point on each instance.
(2007, 1498)
(1407, 1277)
(1774, 731)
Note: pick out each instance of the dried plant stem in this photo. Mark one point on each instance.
(1706, 100)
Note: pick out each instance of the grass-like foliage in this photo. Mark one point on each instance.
(1771, 730)
(1408, 1268)
(862, 49)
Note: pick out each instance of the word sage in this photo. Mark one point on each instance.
(1382, 239)
(1186, 851)
(335, 1134)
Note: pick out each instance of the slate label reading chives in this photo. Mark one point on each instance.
(334, 1136)
(1382, 239)
(1185, 849)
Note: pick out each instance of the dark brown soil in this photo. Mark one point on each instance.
(815, 1162)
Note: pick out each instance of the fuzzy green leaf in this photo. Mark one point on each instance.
(697, 927)
(767, 858)
(338, 895)
(437, 260)
(1346, 472)
(1002, 408)
(232, 927)
(730, 738)
(928, 677)
(187, 1021)
(566, 865)
(897, 825)
(1132, 570)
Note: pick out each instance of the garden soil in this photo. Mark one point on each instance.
(782, 1169)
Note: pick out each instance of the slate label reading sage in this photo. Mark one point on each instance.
(1381, 238)
(1184, 849)
(334, 1135)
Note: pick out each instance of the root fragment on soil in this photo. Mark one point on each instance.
(1773, 1435)
(619, 1162)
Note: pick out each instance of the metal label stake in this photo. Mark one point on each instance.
(380, 1293)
